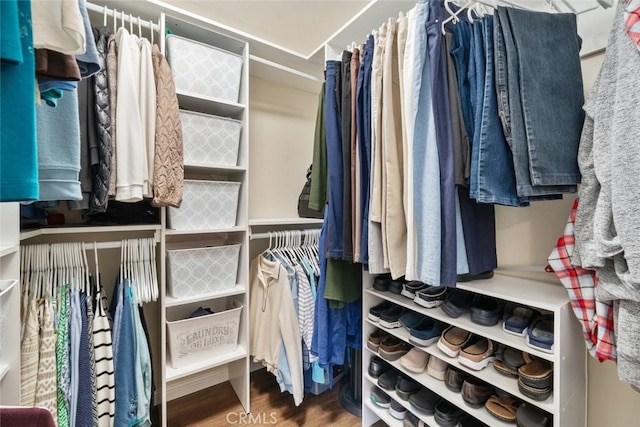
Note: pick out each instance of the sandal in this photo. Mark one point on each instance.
(540, 333)
(516, 318)
(509, 360)
(537, 374)
(503, 408)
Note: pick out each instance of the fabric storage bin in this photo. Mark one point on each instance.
(206, 205)
(210, 140)
(201, 338)
(204, 71)
(6, 287)
(201, 271)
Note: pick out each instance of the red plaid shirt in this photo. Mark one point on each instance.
(595, 316)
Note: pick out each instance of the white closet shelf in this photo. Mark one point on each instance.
(283, 221)
(234, 229)
(8, 250)
(81, 229)
(441, 390)
(214, 169)
(494, 333)
(384, 414)
(213, 106)
(173, 374)
(488, 374)
(4, 369)
(173, 302)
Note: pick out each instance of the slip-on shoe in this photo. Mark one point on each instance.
(447, 414)
(452, 340)
(475, 393)
(388, 380)
(409, 289)
(453, 379)
(380, 398)
(410, 319)
(374, 312)
(397, 411)
(431, 297)
(537, 373)
(469, 277)
(529, 416)
(469, 421)
(424, 401)
(477, 355)
(373, 342)
(412, 420)
(390, 318)
(486, 311)
(437, 368)
(381, 282)
(540, 333)
(392, 348)
(395, 286)
(457, 302)
(516, 318)
(508, 360)
(377, 367)
(534, 392)
(503, 408)
(426, 332)
(415, 360)
(405, 387)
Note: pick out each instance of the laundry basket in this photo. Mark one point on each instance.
(6, 287)
(201, 338)
(204, 71)
(202, 271)
(206, 205)
(210, 140)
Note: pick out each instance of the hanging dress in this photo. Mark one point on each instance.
(46, 382)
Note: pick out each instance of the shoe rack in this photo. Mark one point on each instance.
(567, 403)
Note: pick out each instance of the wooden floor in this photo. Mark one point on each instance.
(218, 406)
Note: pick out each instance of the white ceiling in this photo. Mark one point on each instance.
(299, 25)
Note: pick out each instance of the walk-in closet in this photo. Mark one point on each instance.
(310, 213)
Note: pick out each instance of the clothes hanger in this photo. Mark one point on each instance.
(115, 20)
(151, 29)
(453, 16)
(104, 17)
(139, 27)
(156, 291)
(130, 24)
(95, 258)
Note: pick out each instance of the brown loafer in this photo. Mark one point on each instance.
(478, 355)
(392, 348)
(454, 378)
(537, 374)
(475, 393)
(533, 392)
(503, 408)
(452, 340)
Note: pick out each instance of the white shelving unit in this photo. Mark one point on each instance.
(230, 366)
(568, 401)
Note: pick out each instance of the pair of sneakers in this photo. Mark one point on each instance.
(473, 351)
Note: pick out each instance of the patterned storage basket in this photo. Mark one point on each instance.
(210, 140)
(201, 338)
(204, 71)
(200, 271)
(206, 205)
(6, 287)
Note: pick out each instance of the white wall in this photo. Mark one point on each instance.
(281, 129)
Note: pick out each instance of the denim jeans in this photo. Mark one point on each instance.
(442, 117)
(124, 357)
(334, 161)
(363, 118)
(541, 112)
(345, 122)
(479, 224)
(461, 51)
(493, 177)
(426, 171)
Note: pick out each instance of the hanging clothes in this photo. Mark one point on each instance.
(103, 356)
(46, 387)
(62, 356)
(29, 355)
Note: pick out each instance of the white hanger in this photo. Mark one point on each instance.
(130, 24)
(139, 27)
(104, 17)
(152, 30)
(122, 24)
(115, 20)
(453, 16)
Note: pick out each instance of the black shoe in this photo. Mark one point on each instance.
(447, 415)
(395, 286)
(381, 282)
(469, 421)
(380, 398)
(377, 367)
(469, 277)
(453, 378)
(457, 302)
(397, 411)
(486, 311)
(405, 387)
(431, 296)
(390, 318)
(425, 400)
(388, 380)
(411, 420)
(409, 289)
(374, 312)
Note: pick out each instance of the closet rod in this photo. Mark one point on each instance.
(256, 236)
(120, 14)
(98, 245)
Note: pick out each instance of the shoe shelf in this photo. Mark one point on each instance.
(567, 403)
(427, 419)
(494, 333)
(173, 302)
(438, 387)
(488, 374)
(384, 414)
